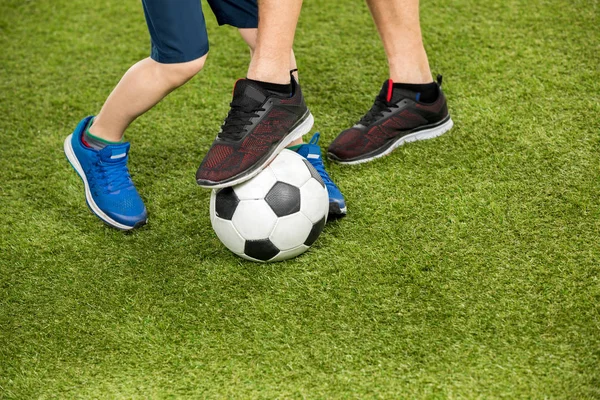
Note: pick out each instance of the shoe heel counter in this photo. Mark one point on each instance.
(298, 96)
(82, 125)
(80, 128)
(444, 107)
(82, 152)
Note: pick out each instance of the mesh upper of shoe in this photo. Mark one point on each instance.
(111, 184)
(231, 153)
(361, 139)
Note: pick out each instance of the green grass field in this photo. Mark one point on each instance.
(468, 265)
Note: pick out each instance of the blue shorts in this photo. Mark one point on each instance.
(178, 29)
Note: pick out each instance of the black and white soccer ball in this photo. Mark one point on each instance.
(274, 216)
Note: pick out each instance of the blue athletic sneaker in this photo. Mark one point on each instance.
(312, 152)
(109, 191)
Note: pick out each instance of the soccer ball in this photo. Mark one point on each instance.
(274, 216)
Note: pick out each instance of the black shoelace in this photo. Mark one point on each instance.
(238, 117)
(379, 107)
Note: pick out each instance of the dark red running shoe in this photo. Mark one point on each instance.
(259, 125)
(395, 118)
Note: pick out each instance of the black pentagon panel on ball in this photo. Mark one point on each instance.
(226, 203)
(284, 199)
(262, 250)
(315, 232)
(313, 172)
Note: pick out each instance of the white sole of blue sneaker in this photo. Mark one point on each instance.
(297, 133)
(88, 194)
(413, 137)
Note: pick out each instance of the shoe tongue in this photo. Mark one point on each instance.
(248, 94)
(115, 152)
(393, 95)
(310, 151)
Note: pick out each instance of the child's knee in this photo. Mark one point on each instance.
(180, 73)
(250, 36)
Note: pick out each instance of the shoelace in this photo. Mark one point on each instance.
(379, 107)
(318, 162)
(115, 175)
(320, 167)
(237, 118)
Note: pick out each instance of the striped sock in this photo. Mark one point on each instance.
(295, 148)
(93, 141)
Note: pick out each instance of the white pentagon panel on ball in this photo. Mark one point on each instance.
(257, 187)
(291, 231)
(228, 235)
(288, 167)
(254, 219)
(287, 254)
(315, 200)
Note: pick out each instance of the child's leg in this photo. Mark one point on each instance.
(179, 46)
(143, 86)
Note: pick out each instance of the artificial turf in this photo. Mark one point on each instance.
(467, 267)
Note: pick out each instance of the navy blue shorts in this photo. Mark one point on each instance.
(178, 29)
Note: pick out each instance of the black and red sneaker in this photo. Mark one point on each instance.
(396, 117)
(259, 125)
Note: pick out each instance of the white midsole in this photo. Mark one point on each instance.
(412, 137)
(88, 194)
(297, 133)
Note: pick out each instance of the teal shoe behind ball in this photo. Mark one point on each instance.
(109, 191)
(312, 152)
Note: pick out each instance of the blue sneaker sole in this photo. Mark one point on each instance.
(88, 194)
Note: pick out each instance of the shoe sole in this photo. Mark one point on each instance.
(88, 194)
(301, 130)
(335, 212)
(411, 137)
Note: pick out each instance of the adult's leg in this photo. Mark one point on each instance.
(310, 151)
(276, 28)
(400, 30)
(250, 37)
(268, 112)
(410, 106)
